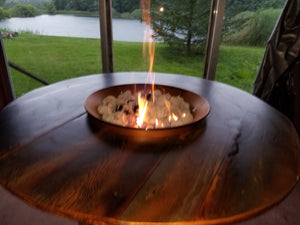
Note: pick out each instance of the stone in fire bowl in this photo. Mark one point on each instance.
(199, 106)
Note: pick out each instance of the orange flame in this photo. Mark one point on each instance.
(148, 38)
(143, 103)
(175, 118)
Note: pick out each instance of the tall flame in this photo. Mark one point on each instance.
(148, 39)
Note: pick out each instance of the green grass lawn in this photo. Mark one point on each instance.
(59, 58)
(238, 66)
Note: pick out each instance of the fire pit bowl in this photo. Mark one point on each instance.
(198, 105)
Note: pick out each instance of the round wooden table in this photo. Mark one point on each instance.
(239, 161)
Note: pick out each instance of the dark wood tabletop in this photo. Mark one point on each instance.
(238, 165)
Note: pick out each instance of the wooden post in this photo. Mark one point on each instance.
(213, 38)
(106, 35)
(6, 88)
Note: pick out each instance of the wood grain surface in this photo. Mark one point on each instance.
(240, 161)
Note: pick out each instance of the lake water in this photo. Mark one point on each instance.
(76, 26)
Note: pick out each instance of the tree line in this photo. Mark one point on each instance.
(80, 5)
(121, 6)
(233, 7)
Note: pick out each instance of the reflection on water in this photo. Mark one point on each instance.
(75, 26)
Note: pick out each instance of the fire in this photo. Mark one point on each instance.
(149, 108)
(153, 118)
(135, 109)
(148, 38)
(142, 103)
(175, 118)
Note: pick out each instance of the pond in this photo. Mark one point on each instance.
(75, 26)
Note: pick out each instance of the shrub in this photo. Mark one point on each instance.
(50, 8)
(251, 28)
(4, 13)
(261, 26)
(20, 10)
(125, 15)
(136, 14)
(115, 14)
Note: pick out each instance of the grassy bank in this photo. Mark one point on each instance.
(58, 58)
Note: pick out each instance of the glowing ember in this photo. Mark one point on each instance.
(138, 110)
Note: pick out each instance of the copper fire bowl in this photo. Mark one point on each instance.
(199, 106)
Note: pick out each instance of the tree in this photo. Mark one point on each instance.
(181, 23)
(4, 14)
(122, 6)
(21, 10)
(2, 2)
(60, 4)
(36, 3)
(50, 7)
(81, 5)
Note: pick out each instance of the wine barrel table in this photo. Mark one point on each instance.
(238, 162)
